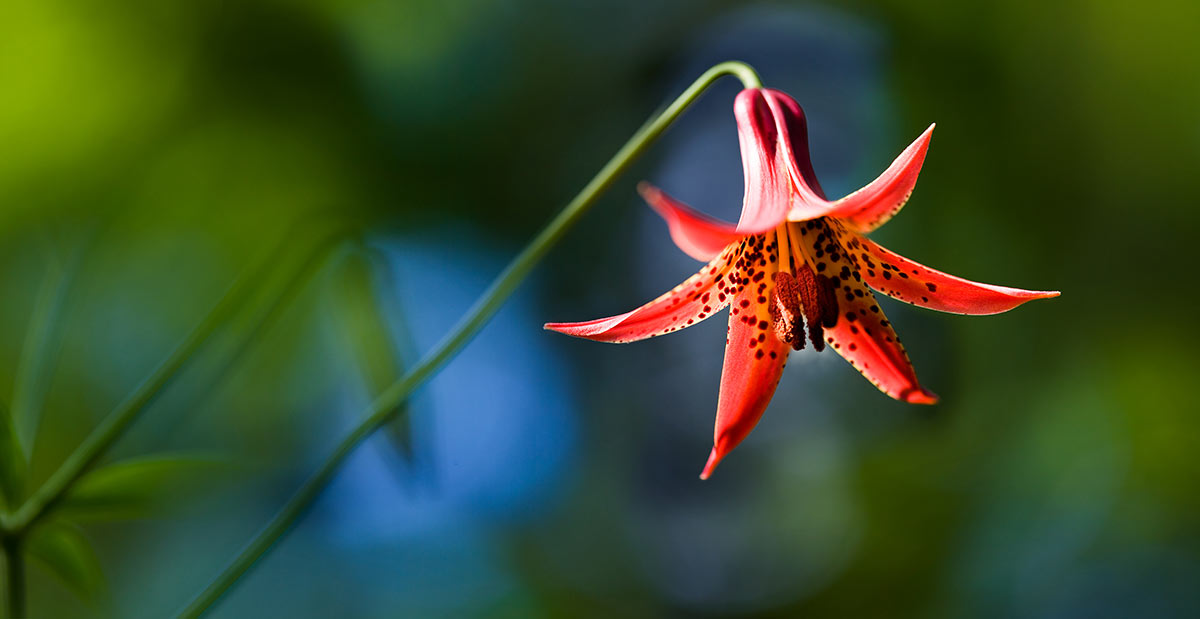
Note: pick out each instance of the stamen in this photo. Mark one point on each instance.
(786, 315)
(819, 301)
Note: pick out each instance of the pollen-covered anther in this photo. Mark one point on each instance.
(786, 315)
(819, 302)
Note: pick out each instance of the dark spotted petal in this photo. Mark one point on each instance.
(873, 205)
(688, 303)
(901, 278)
(754, 357)
(864, 337)
(861, 334)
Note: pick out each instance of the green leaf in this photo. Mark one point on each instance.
(40, 349)
(18, 425)
(366, 328)
(62, 548)
(139, 488)
(366, 288)
(12, 461)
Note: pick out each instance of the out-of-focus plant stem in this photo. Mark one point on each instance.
(386, 406)
(14, 576)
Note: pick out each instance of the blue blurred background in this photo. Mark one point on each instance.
(151, 150)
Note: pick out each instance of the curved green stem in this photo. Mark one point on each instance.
(386, 406)
(744, 72)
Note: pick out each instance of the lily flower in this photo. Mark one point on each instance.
(796, 266)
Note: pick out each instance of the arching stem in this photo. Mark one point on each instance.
(385, 407)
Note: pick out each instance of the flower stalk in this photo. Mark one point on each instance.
(387, 405)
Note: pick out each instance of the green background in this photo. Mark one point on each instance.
(149, 150)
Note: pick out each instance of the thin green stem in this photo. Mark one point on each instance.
(385, 407)
(14, 577)
(13, 466)
(115, 424)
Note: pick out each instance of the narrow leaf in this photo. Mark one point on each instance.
(40, 349)
(363, 309)
(139, 488)
(63, 549)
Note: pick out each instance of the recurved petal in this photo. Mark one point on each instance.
(862, 334)
(864, 337)
(698, 235)
(876, 203)
(702, 295)
(768, 188)
(754, 357)
(901, 278)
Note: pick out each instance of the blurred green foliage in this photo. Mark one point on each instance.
(152, 149)
(68, 554)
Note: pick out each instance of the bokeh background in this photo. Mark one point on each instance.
(149, 151)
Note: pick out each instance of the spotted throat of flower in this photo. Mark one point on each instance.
(796, 269)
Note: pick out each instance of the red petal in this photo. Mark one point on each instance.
(873, 205)
(862, 334)
(698, 235)
(768, 190)
(793, 131)
(901, 278)
(702, 295)
(754, 358)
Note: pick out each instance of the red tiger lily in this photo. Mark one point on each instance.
(793, 257)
